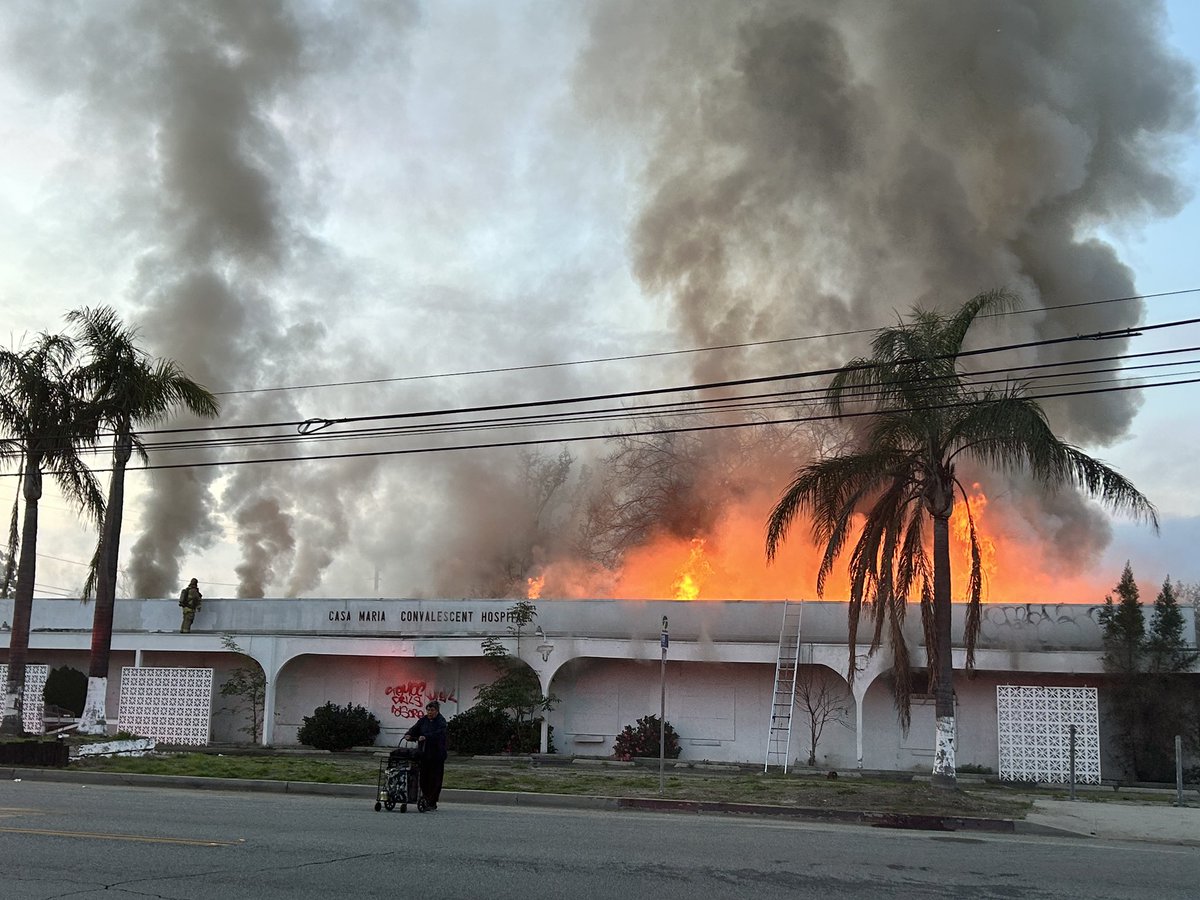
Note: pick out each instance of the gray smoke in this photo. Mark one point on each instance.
(817, 165)
(265, 536)
(773, 169)
(192, 102)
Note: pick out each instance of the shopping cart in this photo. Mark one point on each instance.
(399, 781)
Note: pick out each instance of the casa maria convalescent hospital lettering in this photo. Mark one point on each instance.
(422, 616)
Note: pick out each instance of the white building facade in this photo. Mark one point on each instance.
(600, 658)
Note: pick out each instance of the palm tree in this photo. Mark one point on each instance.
(44, 423)
(926, 416)
(127, 388)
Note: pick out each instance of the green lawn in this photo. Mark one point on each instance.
(875, 795)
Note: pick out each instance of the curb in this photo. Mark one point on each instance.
(917, 822)
(553, 801)
(186, 782)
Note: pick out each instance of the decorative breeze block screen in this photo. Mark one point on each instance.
(1035, 741)
(33, 703)
(167, 704)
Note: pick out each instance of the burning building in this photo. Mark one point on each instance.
(601, 658)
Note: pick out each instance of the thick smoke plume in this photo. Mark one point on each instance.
(773, 169)
(192, 102)
(815, 166)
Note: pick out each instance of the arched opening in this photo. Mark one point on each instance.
(719, 710)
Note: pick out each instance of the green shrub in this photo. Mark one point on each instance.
(333, 727)
(642, 740)
(66, 688)
(974, 769)
(526, 737)
(480, 731)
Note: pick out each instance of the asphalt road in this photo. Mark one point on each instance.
(63, 840)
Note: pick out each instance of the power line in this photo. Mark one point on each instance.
(665, 353)
(742, 403)
(313, 424)
(609, 436)
(57, 591)
(60, 559)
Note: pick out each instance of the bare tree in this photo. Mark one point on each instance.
(823, 701)
(666, 481)
(535, 521)
(247, 685)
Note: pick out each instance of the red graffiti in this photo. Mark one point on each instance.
(406, 699)
(409, 699)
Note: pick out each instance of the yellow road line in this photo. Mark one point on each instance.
(107, 836)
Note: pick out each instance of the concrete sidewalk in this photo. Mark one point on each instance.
(1120, 820)
(1154, 821)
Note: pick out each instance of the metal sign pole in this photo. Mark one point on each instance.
(663, 641)
(1072, 748)
(1178, 770)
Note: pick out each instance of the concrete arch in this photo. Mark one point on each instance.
(395, 687)
(868, 668)
(891, 746)
(719, 708)
(823, 697)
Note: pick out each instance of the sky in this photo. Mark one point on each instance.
(436, 206)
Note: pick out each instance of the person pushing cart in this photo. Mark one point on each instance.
(430, 733)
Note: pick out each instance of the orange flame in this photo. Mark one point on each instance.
(729, 563)
(533, 590)
(977, 502)
(733, 565)
(687, 584)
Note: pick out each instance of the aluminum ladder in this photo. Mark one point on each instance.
(779, 732)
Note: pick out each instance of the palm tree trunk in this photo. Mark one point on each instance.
(95, 712)
(942, 658)
(18, 647)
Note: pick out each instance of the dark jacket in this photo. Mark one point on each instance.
(434, 731)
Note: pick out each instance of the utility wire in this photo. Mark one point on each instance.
(761, 402)
(609, 436)
(714, 404)
(60, 559)
(664, 353)
(314, 424)
(739, 403)
(54, 589)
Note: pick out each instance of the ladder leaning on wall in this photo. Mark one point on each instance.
(783, 698)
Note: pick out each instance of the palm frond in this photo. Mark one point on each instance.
(993, 301)
(93, 574)
(14, 538)
(1009, 432)
(974, 579)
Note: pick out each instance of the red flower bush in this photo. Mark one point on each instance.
(642, 740)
